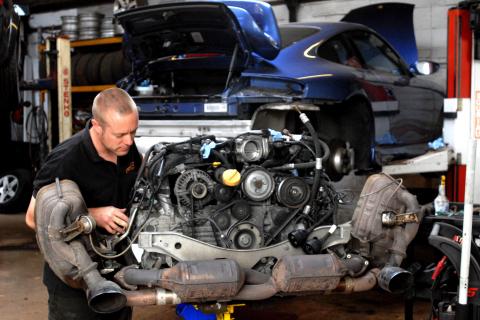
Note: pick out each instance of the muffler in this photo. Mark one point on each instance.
(57, 206)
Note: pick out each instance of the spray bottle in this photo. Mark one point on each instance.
(441, 203)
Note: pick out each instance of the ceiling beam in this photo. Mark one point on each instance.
(36, 6)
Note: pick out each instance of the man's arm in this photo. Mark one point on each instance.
(110, 218)
(30, 216)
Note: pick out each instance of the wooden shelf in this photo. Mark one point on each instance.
(92, 88)
(95, 42)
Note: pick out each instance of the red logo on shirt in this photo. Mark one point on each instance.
(130, 168)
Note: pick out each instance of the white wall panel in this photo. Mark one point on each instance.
(422, 17)
(439, 16)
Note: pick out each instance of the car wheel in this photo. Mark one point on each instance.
(350, 122)
(15, 190)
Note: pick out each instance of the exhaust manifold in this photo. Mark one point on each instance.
(57, 206)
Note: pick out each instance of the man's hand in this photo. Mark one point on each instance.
(30, 215)
(110, 218)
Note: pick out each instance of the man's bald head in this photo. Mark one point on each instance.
(113, 99)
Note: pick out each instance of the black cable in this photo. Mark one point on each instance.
(37, 122)
(222, 158)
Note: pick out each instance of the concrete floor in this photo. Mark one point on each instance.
(22, 295)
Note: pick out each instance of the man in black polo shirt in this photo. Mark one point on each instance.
(103, 161)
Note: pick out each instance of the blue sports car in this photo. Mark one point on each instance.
(224, 67)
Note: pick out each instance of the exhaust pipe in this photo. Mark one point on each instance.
(192, 280)
(395, 279)
(364, 283)
(149, 297)
(292, 275)
(58, 205)
(308, 274)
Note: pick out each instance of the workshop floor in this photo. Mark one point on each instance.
(22, 295)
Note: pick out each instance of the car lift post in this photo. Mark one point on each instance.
(463, 310)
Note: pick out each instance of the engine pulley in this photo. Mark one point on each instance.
(246, 236)
(222, 220)
(258, 184)
(293, 192)
(223, 193)
(241, 210)
(194, 185)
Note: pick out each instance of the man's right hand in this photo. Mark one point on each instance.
(110, 218)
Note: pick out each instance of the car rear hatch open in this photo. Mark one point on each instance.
(188, 50)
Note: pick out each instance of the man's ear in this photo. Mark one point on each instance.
(96, 126)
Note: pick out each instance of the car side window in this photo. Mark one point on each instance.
(336, 50)
(376, 54)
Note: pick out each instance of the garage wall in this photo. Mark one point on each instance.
(430, 23)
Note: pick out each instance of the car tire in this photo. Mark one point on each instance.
(9, 88)
(15, 190)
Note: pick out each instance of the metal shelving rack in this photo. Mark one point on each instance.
(64, 80)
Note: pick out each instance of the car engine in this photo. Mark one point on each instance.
(249, 192)
(244, 218)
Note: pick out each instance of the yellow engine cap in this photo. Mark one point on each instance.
(231, 177)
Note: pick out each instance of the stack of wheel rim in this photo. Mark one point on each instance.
(89, 25)
(107, 29)
(70, 27)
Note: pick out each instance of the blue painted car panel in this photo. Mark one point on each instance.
(399, 34)
(181, 109)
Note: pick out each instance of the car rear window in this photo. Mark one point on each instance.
(290, 35)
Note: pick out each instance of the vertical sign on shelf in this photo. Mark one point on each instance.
(476, 116)
(64, 89)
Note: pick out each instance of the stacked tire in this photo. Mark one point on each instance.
(98, 68)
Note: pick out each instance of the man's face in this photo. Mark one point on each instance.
(118, 132)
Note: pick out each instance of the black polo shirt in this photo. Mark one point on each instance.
(101, 182)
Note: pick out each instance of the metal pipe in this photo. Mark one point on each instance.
(360, 284)
(403, 235)
(257, 291)
(394, 279)
(467, 222)
(255, 277)
(149, 297)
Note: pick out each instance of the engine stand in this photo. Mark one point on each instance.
(217, 311)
